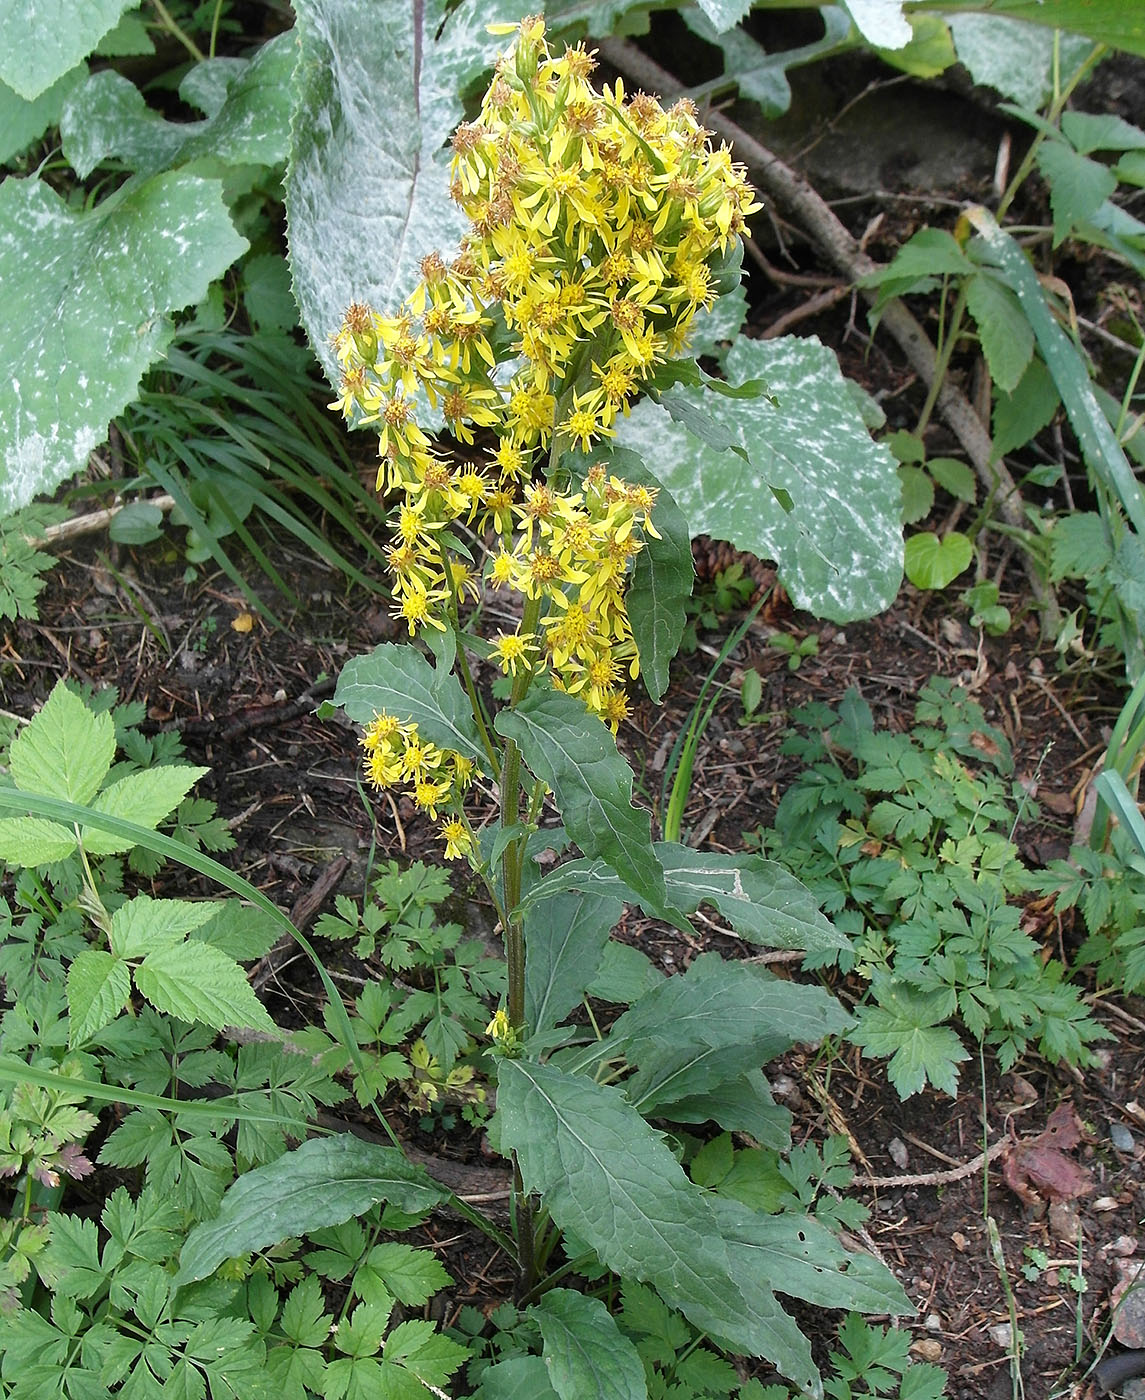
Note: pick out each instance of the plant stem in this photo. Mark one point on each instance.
(942, 364)
(169, 24)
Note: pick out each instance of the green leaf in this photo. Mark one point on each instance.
(99, 986)
(41, 40)
(587, 1355)
(1078, 186)
(400, 680)
(1101, 131)
(1005, 334)
(927, 255)
(410, 1275)
(661, 582)
(1080, 546)
(249, 125)
(609, 1179)
(30, 841)
(741, 1105)
(564, 941)
(917, 495)
(139, 522)
(625, 974)
(722, 1004)
(145, 797)
(907, 1026)
(573, 752)
(324, 1182)
(724, 14)
(141, 925)
(880, 22)
(92, 291)
(839, 547)
(954, 476)
(1109, 22)
(1013, 58)
(934, 563)
(65, 751)
(803, 1258)
(1100, 448)
(1032, 405)
(519, 1378)
(763, 902)
(22, 122)
(196, 982)
(367, 199)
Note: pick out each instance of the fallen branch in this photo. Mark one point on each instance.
(94, 520)
(936, 1178)
(801, 202)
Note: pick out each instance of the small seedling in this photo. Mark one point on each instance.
(796, 652)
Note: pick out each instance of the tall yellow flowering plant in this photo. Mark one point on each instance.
(599, 225)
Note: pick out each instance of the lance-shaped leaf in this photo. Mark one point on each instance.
(587, 1355)
(721, 1005)
(400, 680)
(41, 40)
(324, 1182)
(378, 92)
(763, 902)
(839, 546)
(248, 104)
(661, 581)
(564, 942)
(573, 752)
(740, 1106)
(85, 311)
(805, 1260)
(607, 1177)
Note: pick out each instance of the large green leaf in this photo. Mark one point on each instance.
(839, 547)
(573, 752)
(41, 40)
(661, 581)
(247, 124)
(199, 983)
(324, 1182)
(85, 311)
(65, 751)
(804, 1259)
(586, 1354)
(741, 1105)
(99, 985)
(609, 1179)
(722, 1004)
(1005, 334)
(564, 941)
(378, 92)
(763, 902)
(400, 680)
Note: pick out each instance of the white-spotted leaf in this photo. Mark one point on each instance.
(41, 40)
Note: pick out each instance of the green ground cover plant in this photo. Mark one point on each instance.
(907, 841)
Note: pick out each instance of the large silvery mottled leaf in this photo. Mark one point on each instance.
(324, 1182)
(23, 121)
(572, 751)
(400, 680)
(564, 942)
(839, 548)
(40, 40)
(367, 186)
(248, 105)
(586, 1354)
(1014, 59)
(763, 902)
(85, 311)
(1118, 23)
(661, 581)
(724, 14)
(608, 1177)
(881, 22)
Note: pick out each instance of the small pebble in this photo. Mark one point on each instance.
(1121, 1137)
(1124, 1247)
(933, 1322)
(1127, 1302)
(1002, 1335)
(927, 1349)
(896, 1149)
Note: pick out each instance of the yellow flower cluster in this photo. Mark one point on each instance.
(435, 778)
(595, 224)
